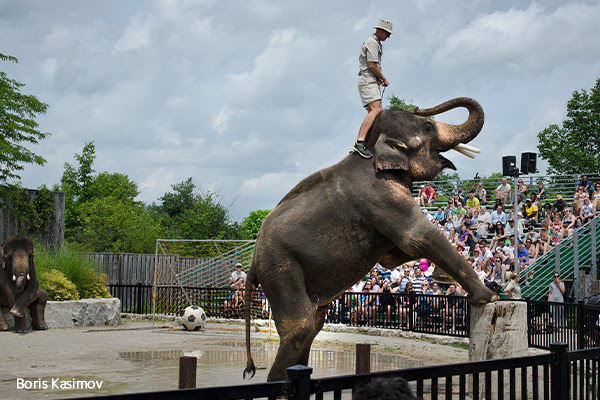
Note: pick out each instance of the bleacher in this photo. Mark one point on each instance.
(571, 254)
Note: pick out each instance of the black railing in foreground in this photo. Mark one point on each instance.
(574, 323)
(558, 375)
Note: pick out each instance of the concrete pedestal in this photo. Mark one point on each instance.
(498, 330)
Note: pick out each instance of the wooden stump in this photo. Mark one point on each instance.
(499, 330)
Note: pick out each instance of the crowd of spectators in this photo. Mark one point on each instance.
(482, 229)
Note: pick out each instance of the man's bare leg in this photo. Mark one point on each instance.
(373, 110)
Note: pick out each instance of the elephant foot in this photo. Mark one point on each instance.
(22, 330)
(40, 326)
(482, 297)
(3, 326)
(16, 312)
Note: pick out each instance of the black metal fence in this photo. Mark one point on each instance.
(577, 324)
(558, 375)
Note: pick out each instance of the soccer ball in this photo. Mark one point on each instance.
(193, 318)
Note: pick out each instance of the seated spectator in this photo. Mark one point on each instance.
(481, 193)
(535, 201)
(439, 217)
(472, 203)
(404, 280)
(384, 388)
(237, 274)
(531, 212)
(435, 288)
(534, 237)
(559, 206)
(459, 219)
(497, 271)
(430, 196)
(588, 210)
(546, 241)
(483, 218)
(596, 195)
(523, 255)
(585, 184)
(485, 250)
(521, 190)
(449, 209)
(541, 192)
(474, 221)
(420, 199)
(579, 193)
(458, 208)
(449, 225)
(472, 238)
(500, 235)
(497, 215)
(424, 306)
(577, 212)
(503, 191)
(531, 249)
(547, 213)
(509, 248)
(236, 299)
(395, 276)
(404, 300)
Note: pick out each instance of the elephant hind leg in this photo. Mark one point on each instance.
(38, 309)
(297, 328)
(3, 324)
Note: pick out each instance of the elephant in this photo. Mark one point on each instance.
(332, 227)
(19, 288)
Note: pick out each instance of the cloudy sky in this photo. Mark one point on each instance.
(249, 97)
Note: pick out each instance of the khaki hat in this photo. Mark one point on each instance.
(238, 265)
(559, 197)
(385, 25)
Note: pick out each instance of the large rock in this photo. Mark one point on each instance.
(498, 330)
(87, 312)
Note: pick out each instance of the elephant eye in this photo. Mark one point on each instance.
(428, 127)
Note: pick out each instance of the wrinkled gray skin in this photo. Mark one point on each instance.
(19, 289)
(329, 231)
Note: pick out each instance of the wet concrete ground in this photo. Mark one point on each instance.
(134, 357)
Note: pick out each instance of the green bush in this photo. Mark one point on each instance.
(77, 268)
(58, 286)
(94, 287)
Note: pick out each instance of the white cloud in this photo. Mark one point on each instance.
(220, 121)
(137, 35)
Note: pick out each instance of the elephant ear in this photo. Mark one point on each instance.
(390, 154)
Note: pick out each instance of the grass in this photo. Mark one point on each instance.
(79, 269)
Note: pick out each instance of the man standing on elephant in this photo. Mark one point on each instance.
(370, 78)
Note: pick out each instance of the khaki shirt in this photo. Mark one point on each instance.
(369, 52)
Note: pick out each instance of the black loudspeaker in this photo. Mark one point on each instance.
(509, 163)
(528, 161)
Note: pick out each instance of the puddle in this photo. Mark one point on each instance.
(220, 363)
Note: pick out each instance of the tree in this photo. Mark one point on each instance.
(401, 104)
(17, 126)
(574, 147)
(252, 223)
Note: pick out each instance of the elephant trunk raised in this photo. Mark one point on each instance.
(449, 136)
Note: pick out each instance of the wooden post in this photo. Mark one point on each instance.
(363, 358)
(187, 372)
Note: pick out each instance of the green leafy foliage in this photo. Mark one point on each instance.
(57, 285)
(33, 210)
(75, 267)
(252, 223)
(18, 128)
(574, 147)
(401, 104)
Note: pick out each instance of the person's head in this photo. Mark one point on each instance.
(452, 288)
(476, 252)
(428, 184)
(408, 287)
(383, 30)
(559, 197)
(557, 276)
(513, 276)
(500, 208)
(520, 245)
(452, 231)
(435, 286)
(504, 181)
(471, 195)
(425, 286)
(386, 284)
(475, 213)
(541, 184)
(584, 178)
(440, 209)
(384, 389)
(520, 181)
(367, 286)
(533, 197)
(459, 204)
(483, 209)
(480, 185)
(406, 269)
(238, 267)
(499, 225)
(418, 272)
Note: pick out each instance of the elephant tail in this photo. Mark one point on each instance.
(250, 286)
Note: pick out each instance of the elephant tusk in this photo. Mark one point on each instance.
(28, 277)
(14, 277)
(465, 150)
(469, 148)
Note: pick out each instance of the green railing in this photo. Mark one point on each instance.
(568, 257)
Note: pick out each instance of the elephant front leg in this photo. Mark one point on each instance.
(21, 324)
(38, 309)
